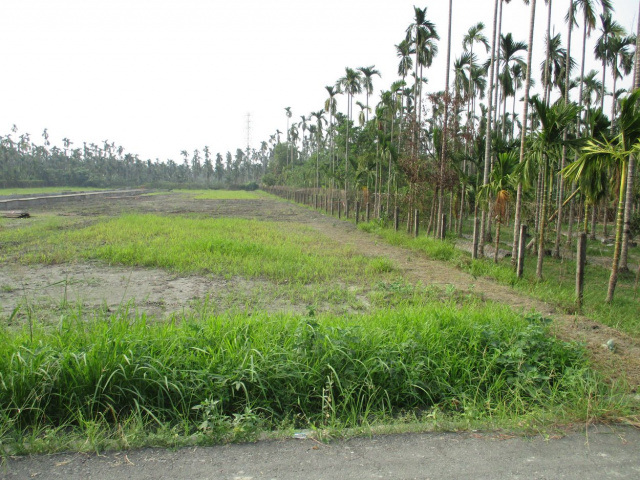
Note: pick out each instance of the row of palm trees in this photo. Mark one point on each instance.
(464, 146)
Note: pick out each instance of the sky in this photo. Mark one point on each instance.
(161, 76)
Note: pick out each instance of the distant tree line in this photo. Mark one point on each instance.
(23, 163)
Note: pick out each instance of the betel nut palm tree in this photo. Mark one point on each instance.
(443, 153)
(588, 8)
(509, 49)
(500, 188)
(474, 35)
(422, 35)
(319, 116)
(545, 150)
(479, 236)
(626, 229)
(330, 106)
(523, 133)
(288, 113)
(616, 152)
(367, 83)
(609, 29)
(351, 84)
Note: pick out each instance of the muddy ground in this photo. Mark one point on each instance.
(154, 291)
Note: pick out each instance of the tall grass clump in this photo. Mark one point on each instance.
(201, 372)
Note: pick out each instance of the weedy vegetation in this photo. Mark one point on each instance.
(214, 378)
(369, 350)
(281, 252)
(558, 285)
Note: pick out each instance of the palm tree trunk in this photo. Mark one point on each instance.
(543, 216)
(628, 204)
(580, 103)
(346, 157)
(513, 113)
(538, 215)
(605, 217)
(440, 233)
(451, 224)
(416, 93)
(389, 185)
(556, 248)
(474, 248)
(586, 217)
(461, 214)
(594, 222)
(487, 148)
(523, 134)
(571, 221)
(602, 89)
(560, 199)
(613, 279)
(613, 100)
(431, 214)
(420, 105)
(488, 237)
(469, 102)
(547, 61)
(626, 230)
(497, 70)
(504, 116)
(495, 254)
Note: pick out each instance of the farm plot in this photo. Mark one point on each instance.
(131, 321)
(232, 261)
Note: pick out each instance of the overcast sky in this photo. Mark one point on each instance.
(161, 76)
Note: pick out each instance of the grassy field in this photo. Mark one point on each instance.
(278, 252)
(39, 190)
(403, 354)
(558, 285)
(223, 194)
(595, 248)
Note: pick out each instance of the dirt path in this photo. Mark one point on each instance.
(624, 362)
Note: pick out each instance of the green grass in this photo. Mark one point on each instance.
(558, 285)
(223, 194)
(280, 252)
(273, 266)
(227, 377)
(433, 249)
(594, 247)
(38, 190)
(386, 351)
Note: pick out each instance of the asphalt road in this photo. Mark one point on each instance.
(602, 452)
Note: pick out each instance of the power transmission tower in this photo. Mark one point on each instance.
(248, 131)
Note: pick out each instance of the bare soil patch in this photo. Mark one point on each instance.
(94, 286)
(180, 204)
